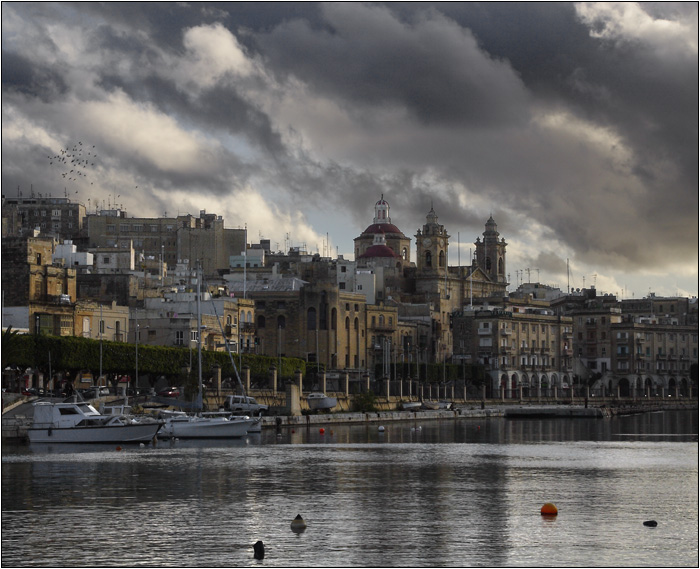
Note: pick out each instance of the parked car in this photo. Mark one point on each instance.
(244, 405)
(169, 392)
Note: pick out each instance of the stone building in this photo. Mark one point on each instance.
(171, 239)
(525, 348)
(27, 265)
(317, 323)
(58, 217)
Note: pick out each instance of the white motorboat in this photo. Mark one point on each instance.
(320, 401)
(79, 422)
(410, 405)
(180, 425)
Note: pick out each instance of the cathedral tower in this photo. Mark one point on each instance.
(491, 253)
(431, 246)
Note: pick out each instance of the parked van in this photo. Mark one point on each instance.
(244, 405)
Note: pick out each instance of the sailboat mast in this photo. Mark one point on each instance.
(199, 337)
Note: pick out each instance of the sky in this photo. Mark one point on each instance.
(574, 125)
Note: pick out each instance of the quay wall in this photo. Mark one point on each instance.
(17, 416)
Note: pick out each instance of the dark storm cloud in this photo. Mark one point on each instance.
(429, 65)
(20, 75)
(574, 121)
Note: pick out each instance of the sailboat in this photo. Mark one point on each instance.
(180, 425)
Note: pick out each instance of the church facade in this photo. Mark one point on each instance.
(430, 280)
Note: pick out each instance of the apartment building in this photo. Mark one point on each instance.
(58, 217)
(525, 348)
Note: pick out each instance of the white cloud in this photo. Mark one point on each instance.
(139, 131)
(628, 21)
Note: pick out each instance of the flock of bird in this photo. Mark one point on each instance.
(75, 161)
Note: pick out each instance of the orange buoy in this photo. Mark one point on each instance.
(119, 448)
(322, 430)
(549, 509)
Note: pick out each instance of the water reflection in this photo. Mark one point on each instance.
(452, 493)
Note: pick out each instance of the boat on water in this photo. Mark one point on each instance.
(180, 425)
(79, 422)
(320, 401)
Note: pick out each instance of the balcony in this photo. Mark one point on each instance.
(505, 332)
(247, 327)
(229, 329)
(484, 331)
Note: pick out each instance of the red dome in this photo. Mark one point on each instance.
(382, 228)
(378, 251)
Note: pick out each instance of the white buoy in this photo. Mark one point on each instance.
(381, 428)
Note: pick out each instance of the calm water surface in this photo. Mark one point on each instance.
(435, 493)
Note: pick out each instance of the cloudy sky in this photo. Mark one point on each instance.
(574, 125)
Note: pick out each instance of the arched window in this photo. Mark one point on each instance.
(441, 261)
(428, 259)
(381, 320)
(357, 324)
(500, 266)
(404, 253)
(261, 321)
(228, 320)
(347, 323)
(334, 319)
(250, 316)
(488, 263)
(311, 319)
(281, 321)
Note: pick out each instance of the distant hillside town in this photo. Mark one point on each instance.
(105, 275)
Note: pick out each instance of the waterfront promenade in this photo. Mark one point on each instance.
(16, 416)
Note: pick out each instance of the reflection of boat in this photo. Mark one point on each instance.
(79, 422)
(320, 401)
(410, 405)
(180, 425)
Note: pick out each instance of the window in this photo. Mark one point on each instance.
(341, 286)
(281, 321)
(110, 228)
(261, 321)
(179, 337)
(428, 259)
(105, 260)
(311, 319)
(343, 269)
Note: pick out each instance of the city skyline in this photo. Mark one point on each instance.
(574, 125)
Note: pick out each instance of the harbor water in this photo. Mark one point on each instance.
(447, 493)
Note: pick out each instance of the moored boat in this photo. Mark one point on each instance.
(79, 422)
(410, 405)
(320, 401)
(180, 425)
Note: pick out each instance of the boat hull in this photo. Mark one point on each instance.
(205, 428)
(132, 433)
(322, 403)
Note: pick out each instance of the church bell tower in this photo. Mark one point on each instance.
(491, 253)
(431, 246)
